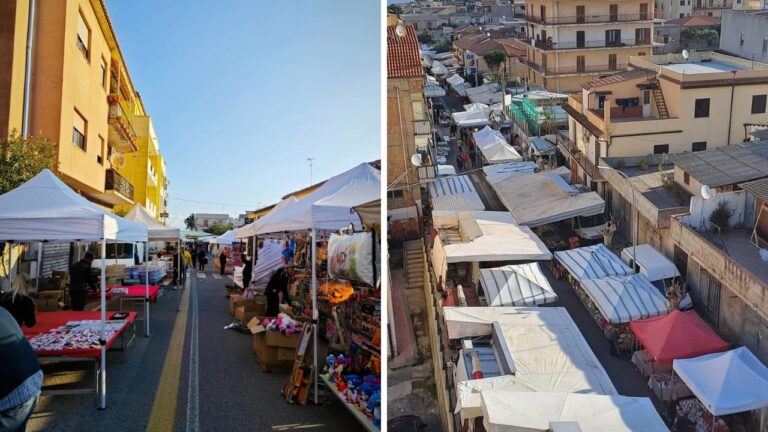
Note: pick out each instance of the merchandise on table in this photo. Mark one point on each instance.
(75, 335)
(359, 389)
(157, 271)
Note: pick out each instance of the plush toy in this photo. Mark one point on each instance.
(329, 362)
(375, 401)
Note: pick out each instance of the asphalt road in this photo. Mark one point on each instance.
(156, 387)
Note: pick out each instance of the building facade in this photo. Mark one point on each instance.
(572, 42)
(80, 93)
(745, 34)
(204, 221)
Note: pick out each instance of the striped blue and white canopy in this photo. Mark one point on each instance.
(516, 285)
(592, 262)
(622, 299)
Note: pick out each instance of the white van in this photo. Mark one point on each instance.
(445, 171)
(656, 267)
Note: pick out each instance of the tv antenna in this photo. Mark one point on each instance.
(311, 161)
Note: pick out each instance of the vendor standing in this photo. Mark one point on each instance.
(20, 376)
(80, 278)
(247, 270)
(277, 284)
(222, 260)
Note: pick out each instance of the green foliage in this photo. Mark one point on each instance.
(494, 60)
(394, 9)
(425, 37)
(190, 222)
(699, 35)
(23, 158)
(442, 46)
(218, 228)
(722, 215)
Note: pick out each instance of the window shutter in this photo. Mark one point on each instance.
(79, 123)
(82, 32)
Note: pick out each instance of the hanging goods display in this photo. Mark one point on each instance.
(351, 257)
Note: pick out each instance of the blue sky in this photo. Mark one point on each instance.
(242, 92)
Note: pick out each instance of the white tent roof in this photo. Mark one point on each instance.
(727, 382)
(455, 79)
(433, 90)
(474, 118)
(439, 68)
(507, 411)
(327, 207)
(652, 262)
(156, 230)
(622, 299)
(490, 236)
(46, 209)
(251, 229)
(516, 285)
(225, 239)
(543, 198)
(454, 193)
(498, 172)
(494, 147)
(468, 401)
(476, 107)
(548, 350)
(592, 262)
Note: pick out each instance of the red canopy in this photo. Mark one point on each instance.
(678, 335)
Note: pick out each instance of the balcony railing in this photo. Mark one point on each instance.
(116, 182)
(564, 70)
(121, 123)
(592, 19)
(554, 46)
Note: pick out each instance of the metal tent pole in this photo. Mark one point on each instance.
(314, 309)
(146, 289)
(10, 266)
(39, 264)
(102, 378)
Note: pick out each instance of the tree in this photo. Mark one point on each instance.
(442, 47)
(190, 222)
(721, 216)
(218, 228)
(23, 158)
(494, 60)
(425, 37)
(394, 9)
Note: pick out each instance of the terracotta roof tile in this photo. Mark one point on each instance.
(615, 78)
(403, 54)
(696, 21)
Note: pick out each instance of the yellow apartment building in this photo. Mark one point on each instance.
(80, 92)
(664, 105)
(571, 42)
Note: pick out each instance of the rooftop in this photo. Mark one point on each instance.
(712, 66)
(759, 188)
(649, 182)
(695, 21)
(727, 165)
(403, 59)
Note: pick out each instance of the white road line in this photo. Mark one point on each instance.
(216, 276)
(193, 393)
(201, 275)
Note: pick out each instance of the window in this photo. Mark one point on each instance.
(682, 3)
(741, 40)
(661, 149)
(612, 37)
(686, 178)
(395, 194)
(702, 108)
(698, 146)
(612, 62)
(682, 15)
(104, 69)
(418, 106)
(580, 64)
(83, 36)
(79, 129)
(641, 53)
(613, 10)
(100, 156)
(643, 11)
(758, 104)
(580, 14)
(646, 97)
(642, 36)
(580, 39)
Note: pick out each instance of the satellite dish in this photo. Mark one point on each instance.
(416, 160)
(686, 54)
(707, 192)
(400, 30)
(118, 160)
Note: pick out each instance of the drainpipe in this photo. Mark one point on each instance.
(730, 112)
(28, 68)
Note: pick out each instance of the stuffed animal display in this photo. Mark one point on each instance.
(283, 324)
(362, 392)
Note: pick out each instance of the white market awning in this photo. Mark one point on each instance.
(494, 146)
(592, 262)
(652, 263)
(454, 193)
(156, 230)
(499, 172)
(516, 285)
(225, 239)
(622, 299)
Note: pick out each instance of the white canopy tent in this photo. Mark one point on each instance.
(653, 264)
(270, 259)
(46, 209)
(547, 349)
(494, 147)
(225, 239)
(432, 90)
(252, 228)
(592, 262)
(726, 383)
(469, 404)
(508, 411)
(454, 193)
(542, 198)
(622, 299)
(499, 172)
(438, 68)
(458, 84)
(156, 232)
(516, 285)
(474, 118)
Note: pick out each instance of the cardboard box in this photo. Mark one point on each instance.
(115, 271)
(47, 301)
(235, 301)
(251, 308)
(271, 359)
(276, 339)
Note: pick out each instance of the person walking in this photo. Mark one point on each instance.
(247, 270)
(222, 260)
(20, 376)
(80, 278)
(473, 155)
(201, 259)
(460, 160)
(277, 284)
(193, 253)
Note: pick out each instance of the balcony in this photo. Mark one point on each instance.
(572, 150)
(575, 70)
(117, 189)
(121, 136)
(549, 45)
(592, 19)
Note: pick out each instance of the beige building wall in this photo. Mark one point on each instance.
(13, 34)
(400, 140)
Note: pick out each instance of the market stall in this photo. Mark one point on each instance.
(454, 193)
(591, 262)
(469, 403)
(516, 285)
(494, 146)
(46, 209)
(621, 299)
(498, 172)
(724, 384)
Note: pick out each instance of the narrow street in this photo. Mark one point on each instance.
(190, 375)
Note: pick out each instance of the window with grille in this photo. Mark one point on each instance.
(698, 146)
(100, 156)
(104, 69)
(758, 104)
(701, 109)
(661, 149)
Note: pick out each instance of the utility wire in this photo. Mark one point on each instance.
(209, 202)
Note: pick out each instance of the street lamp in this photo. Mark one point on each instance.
(634, 206)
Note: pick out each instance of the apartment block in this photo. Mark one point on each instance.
(572, 42)
(664, 104)
(745, 34)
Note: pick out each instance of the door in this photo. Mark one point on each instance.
(642, 36)
(643, 11)
(612, 37)
(543, 13)
(614, 12)
(580, 14)
(579, 39)
(680, 259)
(646, 103)
(612, 62)
(580, 64)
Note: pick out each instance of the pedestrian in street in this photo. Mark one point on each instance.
(80, 278)
(20, 376)
(459, 162)
(201, 259)
(222, 260)
(277, 284)
(453, 130)
(193, 252)
(20, 305)
(247, 271)
(613, 338)
(473, 156)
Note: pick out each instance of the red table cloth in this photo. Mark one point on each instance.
(137, 291)
(47, 321)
